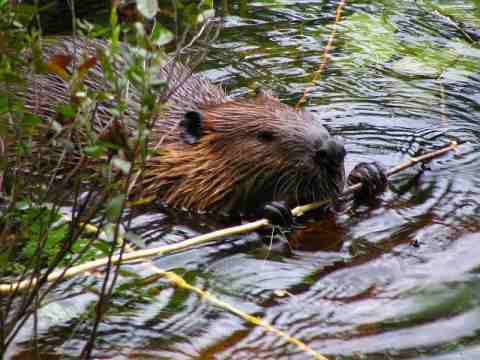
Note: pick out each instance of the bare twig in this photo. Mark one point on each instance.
(180, 282)
(422, 158)
(215, 235)
(409, 163)
(326, 54)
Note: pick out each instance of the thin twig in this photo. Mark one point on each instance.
(180, 282)
(422, 158)
(215, 235)
(300, 210)
(326, 54)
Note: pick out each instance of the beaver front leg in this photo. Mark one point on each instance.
(373, 178)
(278, 213)
(374, 182)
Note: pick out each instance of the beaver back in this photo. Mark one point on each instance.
(210, 152)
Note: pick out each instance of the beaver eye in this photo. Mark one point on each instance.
(265, 136)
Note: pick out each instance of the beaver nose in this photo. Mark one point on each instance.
(330, 152)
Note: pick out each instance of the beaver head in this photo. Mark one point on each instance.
(240, 154)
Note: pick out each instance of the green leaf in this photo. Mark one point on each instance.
(4, 261)
(31, 120)
(464, 12)
(85, 246)
(3, 104)
(136, 239)
(148, 8)
(207, 4)
(121, 164)
(161, 36)
(114, 207)
(66, 110)
(114, 17)
(102, 246)
(25, 13)
(109, 233)
(95, 151)
(430, 60)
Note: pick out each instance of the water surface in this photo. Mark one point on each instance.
(397, 279)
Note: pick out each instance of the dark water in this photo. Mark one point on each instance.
(404, 79)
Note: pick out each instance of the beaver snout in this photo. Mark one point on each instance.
(330, 153)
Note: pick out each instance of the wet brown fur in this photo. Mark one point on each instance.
(230, 168)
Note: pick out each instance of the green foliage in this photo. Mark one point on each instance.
(115, 207)
(3, 104)
(40, 228)
(40, 235)
(89, 164)
(369, 39)
(160, 36)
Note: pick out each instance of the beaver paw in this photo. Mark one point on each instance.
(373, 178)
(278, 213)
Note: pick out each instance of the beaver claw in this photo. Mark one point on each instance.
(278, 213)
(373, 178)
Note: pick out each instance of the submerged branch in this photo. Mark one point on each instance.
(215, 235)
(178, 281)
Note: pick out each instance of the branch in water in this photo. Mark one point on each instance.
(215, 235)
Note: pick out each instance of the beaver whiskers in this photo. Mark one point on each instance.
(210, 152)
(266, 151)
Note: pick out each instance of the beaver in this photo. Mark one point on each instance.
(213, 152)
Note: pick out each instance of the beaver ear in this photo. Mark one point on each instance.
(191, 127)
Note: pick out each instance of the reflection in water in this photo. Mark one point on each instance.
(356, 283)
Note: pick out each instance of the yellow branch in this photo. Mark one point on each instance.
(177, 280)
(202, 239)
(326, 54)
(180, 282)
